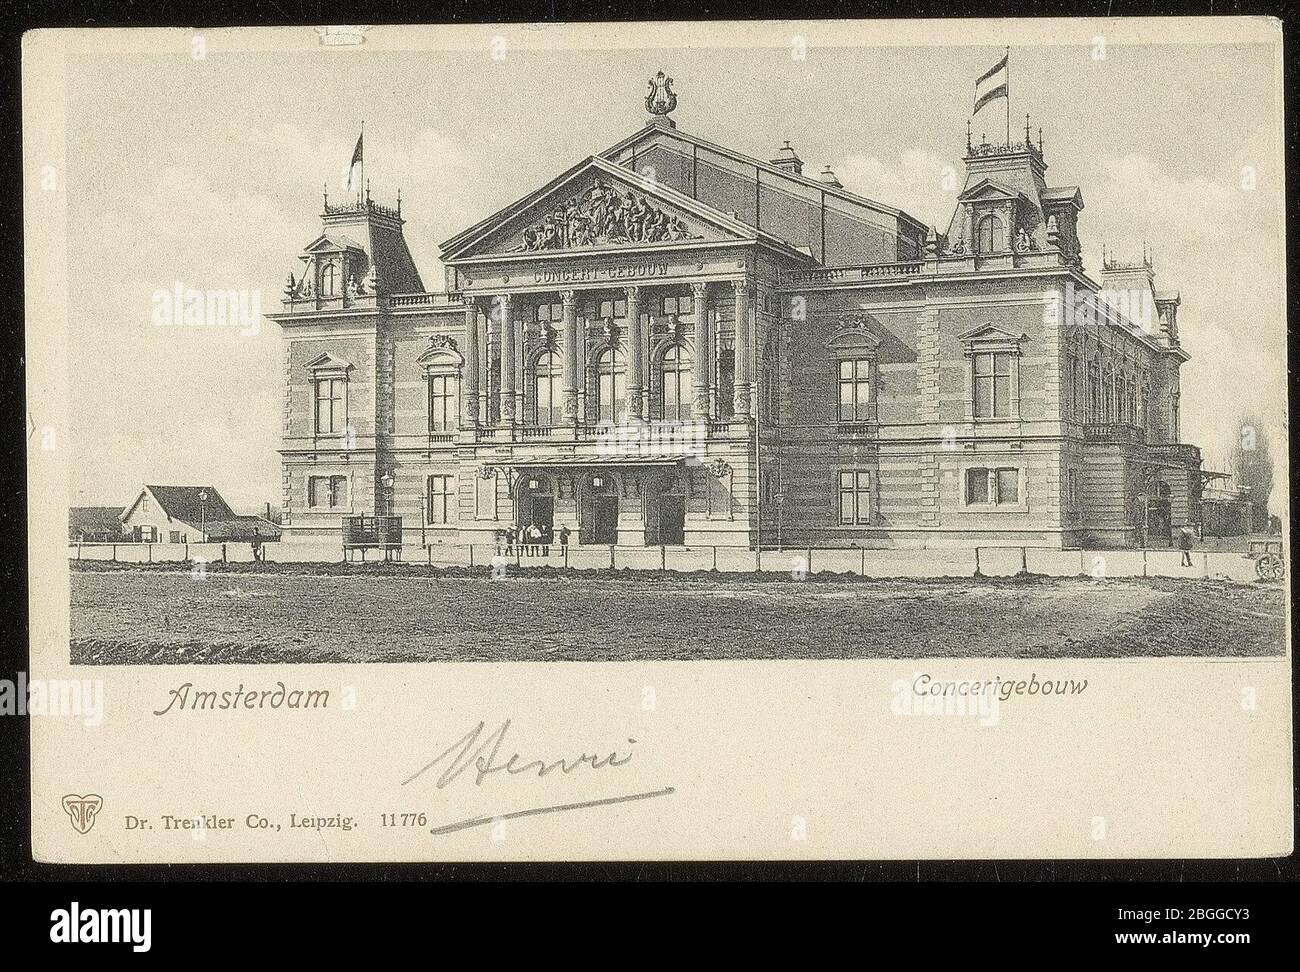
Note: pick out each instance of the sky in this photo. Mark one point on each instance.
(210, 172)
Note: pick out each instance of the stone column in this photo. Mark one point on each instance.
(700, 362)
(633, 342)
(570, 339)
(742, 368)
(507, 380)
(470, 378)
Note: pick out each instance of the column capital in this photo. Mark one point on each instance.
(470, 301)
(569, 297)
(633, 291)
(742, 286)
(700, 289)
(504, 299)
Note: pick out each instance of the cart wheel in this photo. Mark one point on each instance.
(1269, 567)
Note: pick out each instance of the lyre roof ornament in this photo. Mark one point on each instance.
(660, 100)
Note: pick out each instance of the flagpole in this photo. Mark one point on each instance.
(361, 184)
(1007, 99)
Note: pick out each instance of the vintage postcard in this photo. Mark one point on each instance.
(799, 440)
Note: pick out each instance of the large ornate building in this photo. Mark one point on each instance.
(672, 342)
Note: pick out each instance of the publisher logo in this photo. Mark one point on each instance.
(81, 811)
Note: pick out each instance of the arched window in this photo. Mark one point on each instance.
(611, 386)
(991, 238)
(675, 384)
(329, 280)
(547, 376)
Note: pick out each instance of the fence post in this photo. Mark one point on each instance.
(565, 548)
(663, 557)
(977, 561)
(863, 569)
(1024, 561)
(149, 550)
(715, 556)
(809, 567)
(1144, 561)
(611, 556)
(115, 552)
(223, 553)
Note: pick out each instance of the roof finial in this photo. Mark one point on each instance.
(660, 100)
(1040, 139)
(326, 186)
(1027, 139)
(967, 134)
(399, 200)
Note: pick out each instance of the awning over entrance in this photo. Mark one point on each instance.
(599, 460)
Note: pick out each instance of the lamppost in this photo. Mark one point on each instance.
(203, 514)
(387, 483)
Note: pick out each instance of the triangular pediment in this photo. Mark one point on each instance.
(597, 205)
(990, 332)
(987, 189)
(333, 243)
(328, 362)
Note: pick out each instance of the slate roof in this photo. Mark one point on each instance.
(183, 503)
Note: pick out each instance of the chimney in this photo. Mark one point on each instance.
(787, 160)
(827, 177)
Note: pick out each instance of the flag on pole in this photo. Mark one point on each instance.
(990, 85)
(356, 159)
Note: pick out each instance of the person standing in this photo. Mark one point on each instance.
(1185, 544)
(510, 540)
(534, 536)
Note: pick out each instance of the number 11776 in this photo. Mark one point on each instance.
(403, 820)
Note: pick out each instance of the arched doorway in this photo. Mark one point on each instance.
(665, 512)
(536, 504)
(598, 510)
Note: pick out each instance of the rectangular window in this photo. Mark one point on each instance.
(443, 405)
(855, 389)
(855, 498)
(677, 305)
(549, 313)
(613, 308)
(997, 487)
(440, 499)
(176, 536)
(329, 406)
(327, 492)
(992, 385)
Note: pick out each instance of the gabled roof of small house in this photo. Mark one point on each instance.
(184, 503)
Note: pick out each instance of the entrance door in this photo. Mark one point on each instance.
(604, 523)
(539, 510)
(672, 520)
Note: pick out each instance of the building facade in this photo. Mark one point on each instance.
(675, 343)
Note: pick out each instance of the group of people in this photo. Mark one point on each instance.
(530, 541)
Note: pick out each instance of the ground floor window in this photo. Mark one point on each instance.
(440, 499)
(995, 486)
(327, 492)
(855, 497)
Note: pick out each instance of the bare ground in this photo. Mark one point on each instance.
(278, 613)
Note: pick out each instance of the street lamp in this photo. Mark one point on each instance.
(387, 483)
(203, 514)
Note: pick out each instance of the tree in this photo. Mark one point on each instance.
(1250, 460)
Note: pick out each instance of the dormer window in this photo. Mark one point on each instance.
(992, 234)
(329, 280)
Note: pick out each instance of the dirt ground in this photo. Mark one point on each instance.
(166, 615)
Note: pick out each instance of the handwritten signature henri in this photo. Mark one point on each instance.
(482, 754)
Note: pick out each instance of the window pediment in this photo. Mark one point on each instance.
(441, 355)
(328, 364)
(990, 337)
(854, 333)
